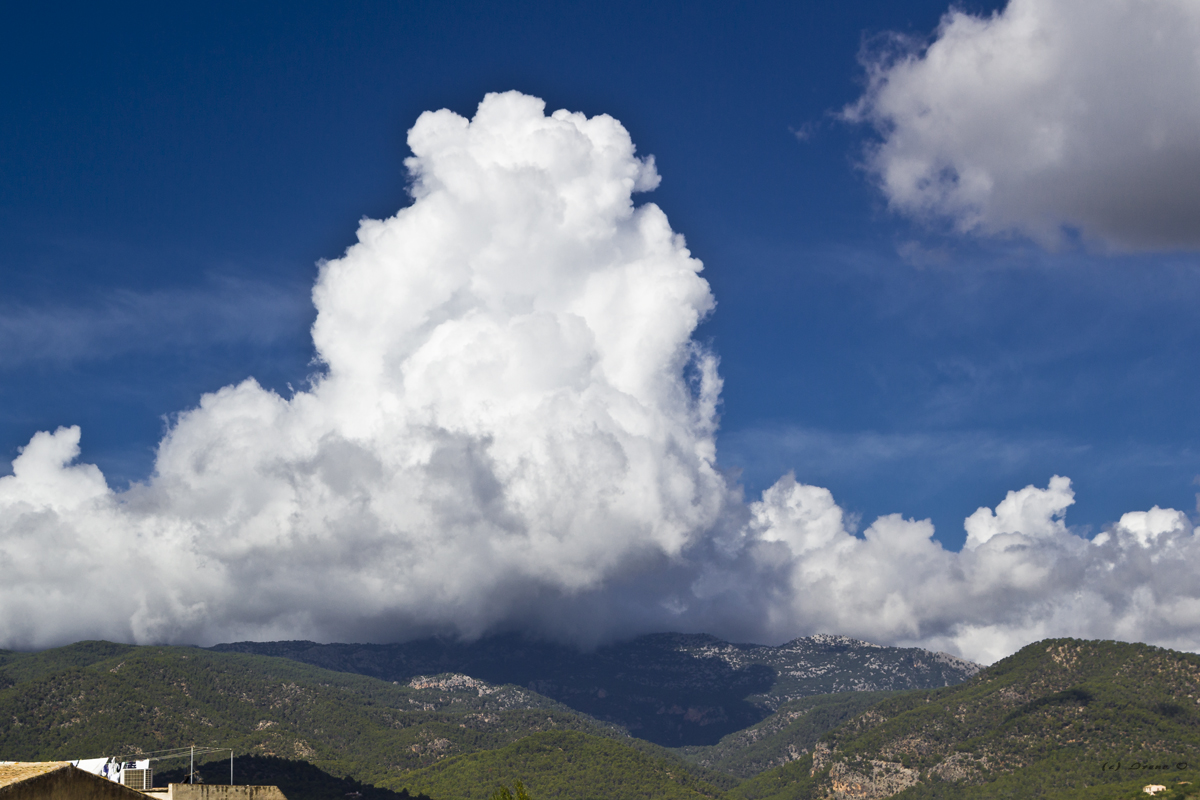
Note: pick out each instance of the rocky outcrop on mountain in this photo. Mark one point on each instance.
(869, 779)
(671, 689)
(825, 664)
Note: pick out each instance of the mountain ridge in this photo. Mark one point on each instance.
(671, 689)
(1061, 718)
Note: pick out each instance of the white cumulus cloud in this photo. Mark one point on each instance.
(1023, 575)
(1050, 116)
(512, 413)
(514, 430)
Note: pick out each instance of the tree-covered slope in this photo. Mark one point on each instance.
(94, 699)
(16, 667)
(783, 737)
(1059, 716)
(671, 689)
(562, 765)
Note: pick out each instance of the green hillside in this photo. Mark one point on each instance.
(95, 698)
(562, 765)
(792, 781)
(784, 736)
(18, 667)
(1059, 716)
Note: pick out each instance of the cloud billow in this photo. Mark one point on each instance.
(515, 430)
(1050, 118)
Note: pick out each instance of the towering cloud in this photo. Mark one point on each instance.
(514, 429)
(1051, 118)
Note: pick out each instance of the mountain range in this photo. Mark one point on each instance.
(671, 689)
(1061, 718)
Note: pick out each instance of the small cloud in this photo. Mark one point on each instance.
(805, 132)
(919, 256)
(222, 310)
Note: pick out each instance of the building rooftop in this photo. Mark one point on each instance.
(16, 771)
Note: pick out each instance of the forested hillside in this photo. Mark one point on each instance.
(784, 736)
(563, 765)
(96, 698)
(1059, 716)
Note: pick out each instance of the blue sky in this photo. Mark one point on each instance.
(171, 176)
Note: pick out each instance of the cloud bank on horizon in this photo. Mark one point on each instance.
(1053, 119)
(515, 430)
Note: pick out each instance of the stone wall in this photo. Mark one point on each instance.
(209, 791)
